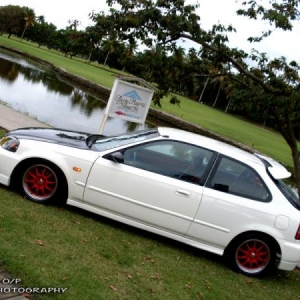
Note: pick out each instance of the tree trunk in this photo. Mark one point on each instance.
(217, 96)
(180, 87)
(106, 58)
(206, 82)
(228, 105)
(23, 33)
(289, 136)
(90, 56)
(295, 155)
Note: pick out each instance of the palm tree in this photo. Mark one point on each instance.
(40, 19)
(205, 85)
(129, 51)
(29, 19)
(132, 46)
(228, 92)
(109, 46)
(178, 60)
(220, 80)
(210, 70)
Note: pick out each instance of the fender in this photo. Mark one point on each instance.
(74, 163)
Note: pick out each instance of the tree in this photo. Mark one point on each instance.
(99, 31)
(223, 85)
(12, 19)
(29, 19)
(42, 33)
(92, 41)
(165, 22)
(109, 46)
(40, 19)
(128, 55)
(60, 41)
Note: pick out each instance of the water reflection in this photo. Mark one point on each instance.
(8, 71)
(35, 91)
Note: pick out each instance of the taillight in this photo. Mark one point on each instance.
(297, 236)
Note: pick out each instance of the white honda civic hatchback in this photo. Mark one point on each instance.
(181, 185)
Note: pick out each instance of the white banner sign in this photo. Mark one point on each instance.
(129, 101)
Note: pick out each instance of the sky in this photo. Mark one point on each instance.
(211, 12)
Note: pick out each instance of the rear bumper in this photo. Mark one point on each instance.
(287, 266)
(290, 255)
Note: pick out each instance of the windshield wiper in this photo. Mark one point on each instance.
(91, 139)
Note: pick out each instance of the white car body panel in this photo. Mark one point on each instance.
(64, 157)
(144, 196)
(165, 233)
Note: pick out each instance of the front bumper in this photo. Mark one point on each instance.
(8, 161)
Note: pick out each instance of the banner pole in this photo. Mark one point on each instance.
(103, 122)
(105, 116)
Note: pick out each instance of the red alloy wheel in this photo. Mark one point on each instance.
(39, 182)
(252, 256)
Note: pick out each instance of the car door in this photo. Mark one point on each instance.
(155, 183)
(234, 198)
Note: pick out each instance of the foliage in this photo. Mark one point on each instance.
(11, 19)
(280, 14)
(29, 19)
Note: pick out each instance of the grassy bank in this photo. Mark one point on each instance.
(96, 258)
(261, 139)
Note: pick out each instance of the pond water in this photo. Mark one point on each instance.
(34, 90)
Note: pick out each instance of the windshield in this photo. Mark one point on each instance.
(288, 193)
(99, 143)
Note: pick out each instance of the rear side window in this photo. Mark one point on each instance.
(233, 177)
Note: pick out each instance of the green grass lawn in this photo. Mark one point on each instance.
(95, 258)
(232, 127)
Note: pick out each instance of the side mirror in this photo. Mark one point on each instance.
(116, 157)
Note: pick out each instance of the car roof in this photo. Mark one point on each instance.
(209, 143)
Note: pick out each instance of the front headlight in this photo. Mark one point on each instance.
(10, 143)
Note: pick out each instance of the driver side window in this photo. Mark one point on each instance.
(170, 158)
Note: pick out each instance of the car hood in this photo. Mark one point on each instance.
(50, 135)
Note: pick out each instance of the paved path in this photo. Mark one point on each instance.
(11, 119)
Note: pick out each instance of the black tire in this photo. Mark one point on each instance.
(42, 182)
(253, 255)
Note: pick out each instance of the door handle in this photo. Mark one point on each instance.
(183, 193)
